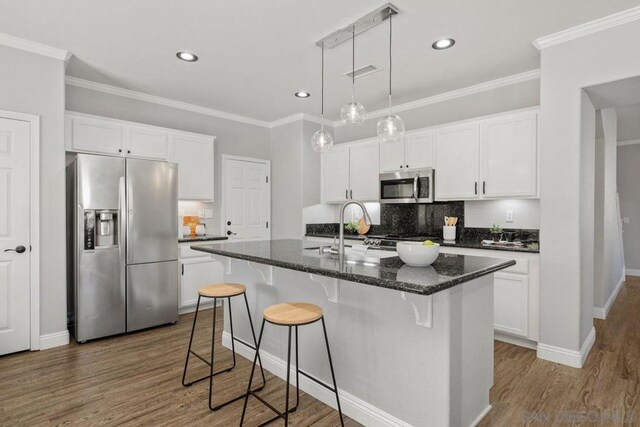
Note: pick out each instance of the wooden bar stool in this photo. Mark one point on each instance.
(220, 291)
(291, 315)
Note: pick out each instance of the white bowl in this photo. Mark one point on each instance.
(416, 254)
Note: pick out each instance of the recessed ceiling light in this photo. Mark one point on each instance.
(187, 56)
(302, 94)
(443, 44)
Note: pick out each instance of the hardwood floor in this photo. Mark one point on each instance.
(135, 380)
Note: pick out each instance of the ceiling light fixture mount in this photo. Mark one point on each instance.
(443, 44)
(302, 94)
(187, 56)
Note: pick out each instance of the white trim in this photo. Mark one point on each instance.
(628, 142)
(265, 162)
(588, 28)
(35, 47)
(352, 406)
(458, 93)
(602, 312)
(34, 220)
(481, 416)
(55, 339)
(565, 356)
(302, 116)
(632, 272)
(118, 91)
(510, 339)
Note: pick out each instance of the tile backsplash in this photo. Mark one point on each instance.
(420, 219)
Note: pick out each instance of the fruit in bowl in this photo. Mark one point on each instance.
(418, 254)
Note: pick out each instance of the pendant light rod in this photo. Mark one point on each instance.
(390, 58)
(359, 26)
(353, 65)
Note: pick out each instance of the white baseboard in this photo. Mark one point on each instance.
(632, 272)
(352, 406)
(565, 356)
(509, 339)
(602, 312)
(481, 416)
(55, 339)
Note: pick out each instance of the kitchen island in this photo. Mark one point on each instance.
(411, 346)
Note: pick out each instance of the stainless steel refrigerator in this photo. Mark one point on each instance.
(122, 245)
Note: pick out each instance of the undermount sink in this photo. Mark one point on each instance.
(371, 255)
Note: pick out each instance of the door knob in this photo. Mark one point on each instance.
(19, 249)
(228, 222)
(229, 233)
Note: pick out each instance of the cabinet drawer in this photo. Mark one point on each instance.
(521, 267)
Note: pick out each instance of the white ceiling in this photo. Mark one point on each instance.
(255, 54)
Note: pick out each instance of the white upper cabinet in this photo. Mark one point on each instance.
(414, 151)
(364, 160)
(335, 174)
(456, 165)
(194, 156)
(147, 142)
(94, 135)
(509, 155)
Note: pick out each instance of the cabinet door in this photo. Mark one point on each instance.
(511, 303)
(364, 170)
(195, 273)
(90, 135)
(509, 147)
(392, 156)
(335, 175)
(194, 157)
(147, 143)
(418, 151)
(456, 165)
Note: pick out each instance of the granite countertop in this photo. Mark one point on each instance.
(205, 238)
(460, 243)
(391, 273)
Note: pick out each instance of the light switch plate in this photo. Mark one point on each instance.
(509, 216)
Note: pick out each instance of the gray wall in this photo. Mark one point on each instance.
(34, 84)
(232, 137)
(628, 178)
(521, 95)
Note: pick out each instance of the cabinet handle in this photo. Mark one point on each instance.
(351, 194)
(128, 151)
(400, 166)
(484, 187)
(407, 166)
(346, 194)
(476, 188)
(119, 150)
(183, 269)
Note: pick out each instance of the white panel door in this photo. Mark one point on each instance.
(510, 155)
(392, 156)
(14, 236)
(335, 175)
(364, 168)
(418, 150)
(147, 143)
(246, 204)
(195, 273)
(511, 303)
(194, 157)
(90, 135)
(457, 160)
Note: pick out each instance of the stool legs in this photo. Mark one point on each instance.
(333, 376)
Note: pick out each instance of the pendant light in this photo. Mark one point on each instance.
(390, 128)
(322, 141)
(353, 113)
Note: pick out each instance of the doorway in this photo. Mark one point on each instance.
(19, 219)
(246, 198)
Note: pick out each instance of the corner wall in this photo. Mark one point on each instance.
(628, 177)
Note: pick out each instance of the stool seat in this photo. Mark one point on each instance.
(292, 313)
(222, 290)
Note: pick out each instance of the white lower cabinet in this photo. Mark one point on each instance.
(196, 269)
(511, 303)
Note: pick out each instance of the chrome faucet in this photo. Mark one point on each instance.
(367, 220)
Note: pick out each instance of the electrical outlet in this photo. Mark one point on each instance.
(625, 220)
(509, 216)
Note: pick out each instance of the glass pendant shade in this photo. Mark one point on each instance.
(390, 128)
(321, 141)
(352, 113)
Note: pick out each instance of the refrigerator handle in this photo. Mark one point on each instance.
(122, 232)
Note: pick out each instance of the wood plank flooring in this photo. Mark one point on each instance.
(135, 380)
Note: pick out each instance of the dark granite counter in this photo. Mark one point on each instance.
(206, 238)
(391, 273)
(470, 243)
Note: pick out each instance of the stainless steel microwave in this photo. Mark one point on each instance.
(407, 186)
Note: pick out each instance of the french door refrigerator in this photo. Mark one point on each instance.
(122, 245)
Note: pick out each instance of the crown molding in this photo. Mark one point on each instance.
(588, 28)
(628, 142)
(35, 47)
(114, 90)
(458, 93)
(302, 116)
